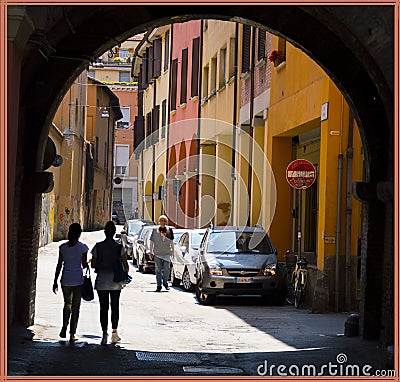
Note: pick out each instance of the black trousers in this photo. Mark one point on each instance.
(104, 298)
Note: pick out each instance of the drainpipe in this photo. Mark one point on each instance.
(200, 79)
(234, 120)
(349, 173)
(338, 223)
(250, 175)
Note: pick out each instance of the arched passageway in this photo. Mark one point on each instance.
(49, 46)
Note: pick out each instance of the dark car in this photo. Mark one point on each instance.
(238, 261)
(129, 235)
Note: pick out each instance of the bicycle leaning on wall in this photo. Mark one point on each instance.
(297, 278)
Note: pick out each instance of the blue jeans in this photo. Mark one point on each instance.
(162, 271)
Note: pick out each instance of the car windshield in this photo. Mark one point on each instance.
(135, 227)
(143, 232)
(196, 239)
(177, 236)
(239, 242)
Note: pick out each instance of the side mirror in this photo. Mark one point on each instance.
(118, 236)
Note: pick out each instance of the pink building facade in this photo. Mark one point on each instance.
(183, 123)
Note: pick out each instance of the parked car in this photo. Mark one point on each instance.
(238, 261)
(184, 260)
(129, 234)
(114, 217)
(144, 263)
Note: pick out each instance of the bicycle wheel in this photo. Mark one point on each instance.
(290, 289)
(298, 294)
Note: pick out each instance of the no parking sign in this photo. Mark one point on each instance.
(301, 174)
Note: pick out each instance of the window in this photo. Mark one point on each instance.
(166, 51)
(163, 118)
(91, 73)
(157, 57)
(120, 170)
(260, 44)
(184, 69)
(205, 81)
(123, 53)
(282, 49)
(124, 77)
(195, 67)
(246, 48)
(222, 68)
(125, 121)
(174, 76)
(213, 78)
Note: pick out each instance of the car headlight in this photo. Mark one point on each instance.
(269, 270)
(216, 271)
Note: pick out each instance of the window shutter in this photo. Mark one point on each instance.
(166, 51)
(261, 44)
(138, 131)
(150, 60)
(157, 57)
(140, 79)
(145, 68)
(156, 123)
(140, 103)
(195, 67)
(246, 49)
(163, 118)
(148, 129)
(184, 69)
(174, 75)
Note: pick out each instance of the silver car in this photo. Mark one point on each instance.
(238, 261)
(184, 260)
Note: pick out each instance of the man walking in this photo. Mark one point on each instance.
(161, 249)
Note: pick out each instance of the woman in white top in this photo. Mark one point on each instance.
(72, 259)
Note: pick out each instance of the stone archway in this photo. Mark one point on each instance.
(49, 46)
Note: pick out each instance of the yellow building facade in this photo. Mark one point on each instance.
(309, 119)
(153, 152)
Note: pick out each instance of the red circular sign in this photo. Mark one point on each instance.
(301, 174)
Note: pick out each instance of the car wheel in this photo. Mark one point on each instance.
(174, 280)
(186, 283)
(202, 297)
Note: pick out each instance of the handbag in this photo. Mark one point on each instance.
(87, 287)
(120, 275)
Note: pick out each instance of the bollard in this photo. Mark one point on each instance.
(351, 325)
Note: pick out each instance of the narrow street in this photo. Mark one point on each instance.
(169, 333)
